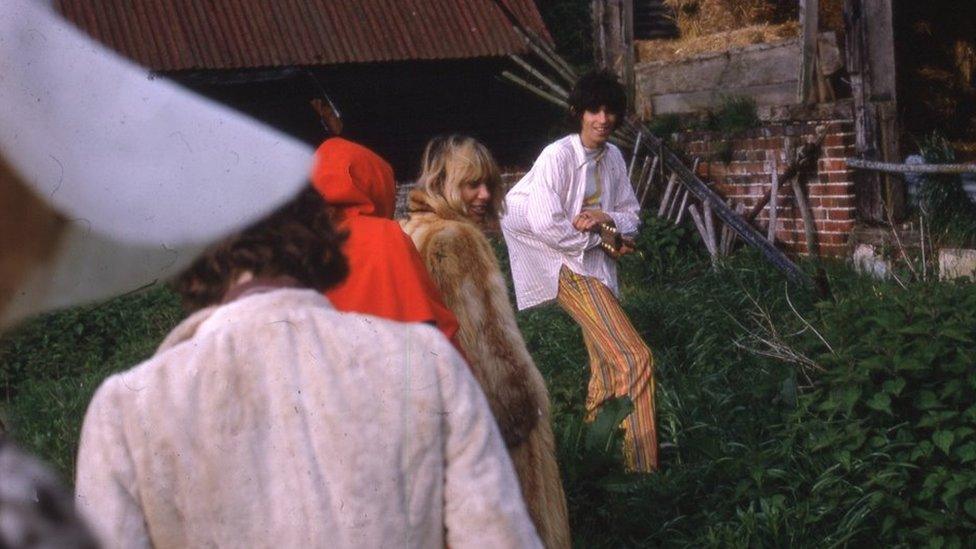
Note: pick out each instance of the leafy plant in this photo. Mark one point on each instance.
(734, 114)
(943, 201)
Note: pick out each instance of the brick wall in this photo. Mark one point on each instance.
(747, 176)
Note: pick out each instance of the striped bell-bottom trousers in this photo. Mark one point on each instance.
(620, 363)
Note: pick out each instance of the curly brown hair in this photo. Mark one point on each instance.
(297, 240)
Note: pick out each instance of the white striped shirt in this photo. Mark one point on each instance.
(538, 223)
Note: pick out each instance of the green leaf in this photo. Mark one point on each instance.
(604, 430)
(966, 452)
(844, 457)
(848, 396)
(908, 364)
(922, 450)
(927, 400)
(894, 386)
(880, 402)
(970, 507)
(943, 439)
(888, 524)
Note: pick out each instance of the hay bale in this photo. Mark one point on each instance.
(666, 50)
(832, 16)
(703, 17)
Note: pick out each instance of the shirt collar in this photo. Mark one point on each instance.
(579, 151)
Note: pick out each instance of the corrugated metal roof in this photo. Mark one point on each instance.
(168, 35)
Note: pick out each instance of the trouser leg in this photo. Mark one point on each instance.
(620, 362)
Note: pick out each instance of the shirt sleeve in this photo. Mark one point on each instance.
(548, 219)
(625, 210)
(483, 504)
(105, 481)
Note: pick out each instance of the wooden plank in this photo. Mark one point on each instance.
(740, 69)
(809, 23)
(648, 181)
(682, 209)
(769, 95)
(871, 67)
(702, 231)
(633, 158)
(881, 49)
(613, 40)
(667, 195)
(710, 226)
(738, 224)
(773, 199)
(625, 67)
(800, 195)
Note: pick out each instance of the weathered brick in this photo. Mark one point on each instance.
(839, 140)
(832, 201)
(833, 238)
(820, 189)
(834, 226)
(840, 126)
(840, 177)
(839, 214)
(831, 165)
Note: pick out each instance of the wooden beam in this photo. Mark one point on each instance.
(891, 167)
(735, 221)
(809, 24)
(613, 40)
(871, 68)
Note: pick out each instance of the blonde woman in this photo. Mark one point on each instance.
(458, 191)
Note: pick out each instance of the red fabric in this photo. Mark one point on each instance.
(387, 277)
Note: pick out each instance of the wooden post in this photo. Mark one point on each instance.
(773, 198)
(871, 66)
(613, 41)
(809, 26)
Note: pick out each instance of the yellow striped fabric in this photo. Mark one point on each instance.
(621, 364)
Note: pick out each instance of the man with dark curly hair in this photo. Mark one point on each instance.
(267, 418)
(563, 221)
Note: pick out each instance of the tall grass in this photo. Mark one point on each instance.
(783, 421)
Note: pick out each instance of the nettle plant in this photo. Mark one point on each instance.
(891, 426)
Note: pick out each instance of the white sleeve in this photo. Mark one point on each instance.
(548, 220)
(105, 492)
(625, 210)
(483, 504)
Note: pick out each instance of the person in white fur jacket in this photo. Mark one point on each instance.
(269, 419)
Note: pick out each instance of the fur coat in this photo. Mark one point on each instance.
(464, 268)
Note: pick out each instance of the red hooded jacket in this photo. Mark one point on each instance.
(387, 277)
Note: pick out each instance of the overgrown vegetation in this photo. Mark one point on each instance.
(734, 113)
(946, 207)
(783, 421)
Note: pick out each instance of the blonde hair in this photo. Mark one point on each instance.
(451, 161)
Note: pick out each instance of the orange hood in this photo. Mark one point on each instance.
(354, 180)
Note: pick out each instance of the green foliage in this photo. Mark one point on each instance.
(665, 252)
(664, 125)
(889, 430)
(734, 114)
(944, 203)
(50, 366)
(868, 438)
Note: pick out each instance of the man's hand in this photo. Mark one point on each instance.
(589, 220)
